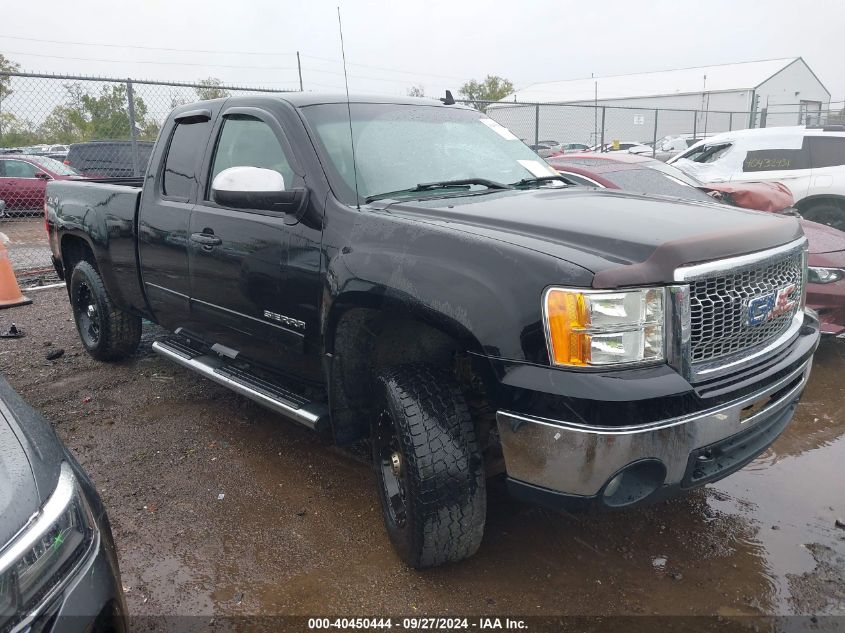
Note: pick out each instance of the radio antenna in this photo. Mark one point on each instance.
(349, 111)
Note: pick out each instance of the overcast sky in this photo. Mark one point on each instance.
(392, 45)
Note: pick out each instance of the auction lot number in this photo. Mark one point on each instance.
(414, 624)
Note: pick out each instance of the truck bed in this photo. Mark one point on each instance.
(104, 213)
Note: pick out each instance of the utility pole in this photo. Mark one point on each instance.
(299, 68)
(595, 108)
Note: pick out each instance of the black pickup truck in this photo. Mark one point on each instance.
(409, 273)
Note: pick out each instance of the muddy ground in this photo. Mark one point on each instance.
(222, 508)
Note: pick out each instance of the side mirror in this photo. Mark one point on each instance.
(256, 188)
(42, 175)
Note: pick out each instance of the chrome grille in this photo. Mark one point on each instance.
(719, 306)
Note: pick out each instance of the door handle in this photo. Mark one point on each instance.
(205, 239)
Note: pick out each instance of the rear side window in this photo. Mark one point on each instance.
(776, 159)
(180, 165)
(17, 169)
(827, 151)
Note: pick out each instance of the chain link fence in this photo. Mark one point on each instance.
(61, 126)
(601, 125)
(55, 127)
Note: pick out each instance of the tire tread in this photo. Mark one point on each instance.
(446, 474)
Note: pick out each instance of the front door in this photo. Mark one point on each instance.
(237, 256)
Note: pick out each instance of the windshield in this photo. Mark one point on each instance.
(398, 147)
(55, 166)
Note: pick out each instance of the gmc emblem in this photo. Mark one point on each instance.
(766, 307)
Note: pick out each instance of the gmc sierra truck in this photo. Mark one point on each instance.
(410, 274)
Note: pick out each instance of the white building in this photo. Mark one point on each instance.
(699, 100)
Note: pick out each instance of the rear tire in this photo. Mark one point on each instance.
(826, 213)
(107, 333)
(430, 471)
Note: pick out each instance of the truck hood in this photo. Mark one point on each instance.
(623, 238)
(30, 461)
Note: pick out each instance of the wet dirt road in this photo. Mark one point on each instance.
(222, 508)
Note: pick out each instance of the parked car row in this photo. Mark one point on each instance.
(808, 160)
(24, 176)
(618, 170)
(553, 148)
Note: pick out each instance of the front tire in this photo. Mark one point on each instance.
(107, 333)
(430, 471)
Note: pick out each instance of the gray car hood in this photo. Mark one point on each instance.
(30, 460)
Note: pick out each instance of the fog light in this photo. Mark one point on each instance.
(634, 483)
(613, 486)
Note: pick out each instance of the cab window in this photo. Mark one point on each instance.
(17, 169)
(180, 166)
(827, 151)
(246, 141)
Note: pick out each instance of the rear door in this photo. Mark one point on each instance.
(169, 195)
(238, 256)
(827, 159)
(786, 160)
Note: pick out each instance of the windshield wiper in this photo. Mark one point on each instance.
(463, 183)
(539, 180)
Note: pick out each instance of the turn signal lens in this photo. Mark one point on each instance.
(589, 328)
(566, 315)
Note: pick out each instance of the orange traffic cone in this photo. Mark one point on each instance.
(10, 292)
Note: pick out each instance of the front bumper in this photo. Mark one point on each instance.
(560, 463)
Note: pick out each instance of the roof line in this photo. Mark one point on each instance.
(807, 66)
(669, 70)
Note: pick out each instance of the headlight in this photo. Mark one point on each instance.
(43, 554)
(817, 275)
(600, 328)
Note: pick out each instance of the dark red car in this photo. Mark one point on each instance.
(23, 180)
(639, 174)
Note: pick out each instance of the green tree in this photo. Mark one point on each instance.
(6, 66)
(108, 115)
(68, 123)
(103, 116)
(15, 132)
(491, 88)
(210, 89)
(416, 91)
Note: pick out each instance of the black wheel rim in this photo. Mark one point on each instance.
(88, 315)
(391, 466)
